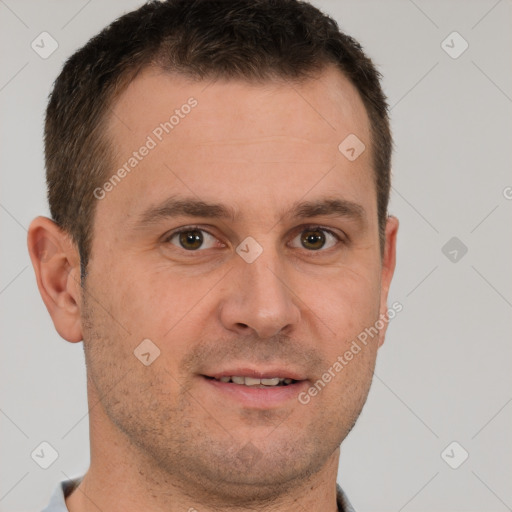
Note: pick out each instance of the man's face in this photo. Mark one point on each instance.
(258, 152)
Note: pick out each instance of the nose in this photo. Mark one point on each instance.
(258, 299)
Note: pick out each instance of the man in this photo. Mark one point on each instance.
(218, 177)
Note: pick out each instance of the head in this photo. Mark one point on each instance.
(218, 178)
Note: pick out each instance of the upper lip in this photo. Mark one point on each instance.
(283, 373)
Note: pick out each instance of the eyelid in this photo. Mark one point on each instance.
(184, 229)
(312, 227)
(191, 227)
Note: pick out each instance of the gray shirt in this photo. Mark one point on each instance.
(65, 488)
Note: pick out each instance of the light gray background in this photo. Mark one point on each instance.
(444, 372)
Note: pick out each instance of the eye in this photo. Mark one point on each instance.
(192, 239)
(316, 238)
(313, 238)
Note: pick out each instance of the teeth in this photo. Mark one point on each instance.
(255, 381)
(250, 381)
(268, 382)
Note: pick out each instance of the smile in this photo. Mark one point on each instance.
(268, 382)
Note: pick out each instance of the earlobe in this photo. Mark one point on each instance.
(57, 268)
(388, 269)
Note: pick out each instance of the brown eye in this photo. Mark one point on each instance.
(193, 239)
(315, 238)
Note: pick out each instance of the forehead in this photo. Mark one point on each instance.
(327, 104)
(245, 143)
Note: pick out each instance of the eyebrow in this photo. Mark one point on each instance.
(192, 207)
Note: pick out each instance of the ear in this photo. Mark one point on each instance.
(387, 271)
(56, 264)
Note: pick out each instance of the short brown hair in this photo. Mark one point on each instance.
(248, 39)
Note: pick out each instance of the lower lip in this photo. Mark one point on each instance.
(257, 397)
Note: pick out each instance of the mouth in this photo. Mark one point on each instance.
(254, 382)
(256, 389)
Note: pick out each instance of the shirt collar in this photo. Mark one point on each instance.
(58, 499)
(342, 501)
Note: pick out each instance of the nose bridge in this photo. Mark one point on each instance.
(261, 298)
(267, 280)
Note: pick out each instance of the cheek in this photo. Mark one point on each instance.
(349, 306)
(154, 303)
(347, 303)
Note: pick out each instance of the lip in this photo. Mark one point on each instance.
(282, 373)
(253, 397)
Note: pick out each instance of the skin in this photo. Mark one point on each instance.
(161, 437)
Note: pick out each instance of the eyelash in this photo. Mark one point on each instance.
(312, 227)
